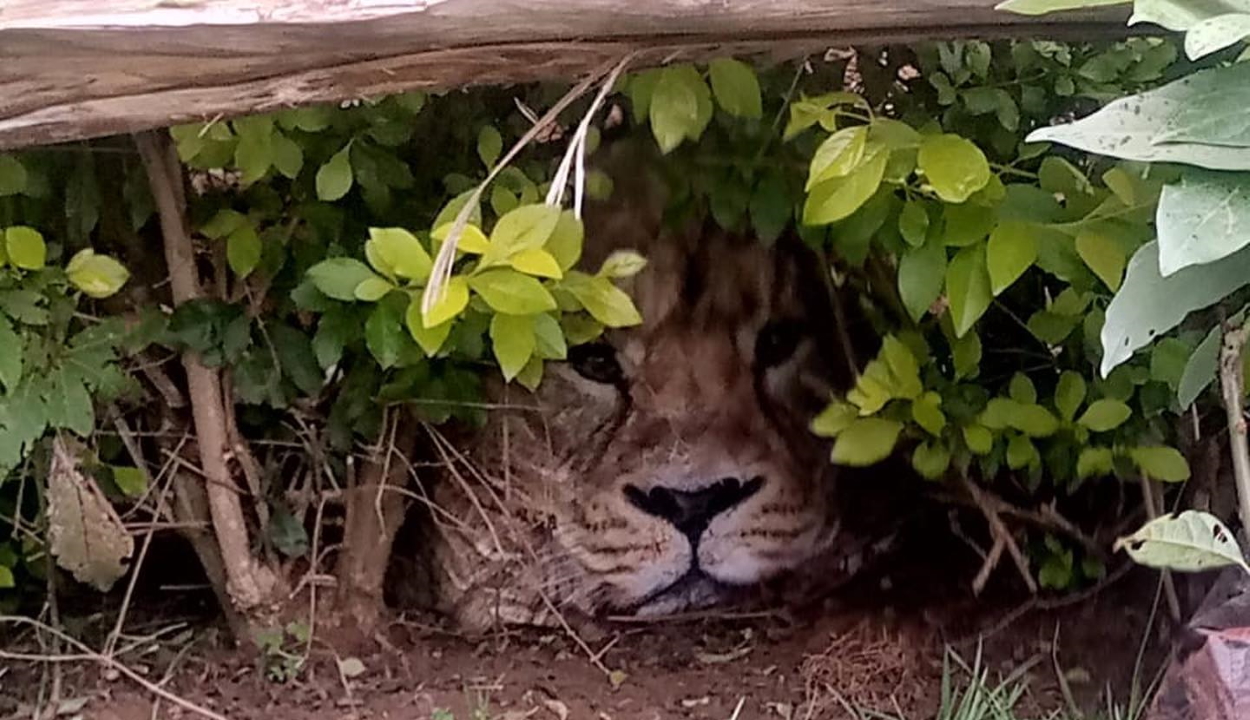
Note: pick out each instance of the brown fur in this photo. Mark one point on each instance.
(544, 515)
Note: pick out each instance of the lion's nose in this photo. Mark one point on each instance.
(691, 511)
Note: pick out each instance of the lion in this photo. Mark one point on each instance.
(663, 467)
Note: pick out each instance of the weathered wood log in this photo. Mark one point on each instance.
(73, 69)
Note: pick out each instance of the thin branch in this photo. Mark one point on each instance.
(1231, 384)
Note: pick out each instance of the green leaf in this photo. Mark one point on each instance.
(838, 156)
(243, 250)
(1167, 362)
(736, 88)
(373, 289)
(448, 214)
(968, 288)
(97, 276)
(1103, 255)
(384, 335)
(837, 199)
(338, 278)
(913, 223)
(430, 339)
(1011, 250)
(1043, 7)
(11, 348)
(1189, 542)
(979, 439)
(288, 157)
(223, 223)
(1069, 394)
(452, 301)
(549, 342)
(1033, 420)
(512, 338)
(1197, 120)
(1105, 415)
(835, 418)
(400, 252)
(1200, 368)
(1021, 452)
(931, 460)
(604, 301)
(927, 412)
(953, 166)
(489, 146)
(565, 243)
(525, 228)
(69, 403)
(1094, 462)
(921, 274)
(1021, 389)
(13, 175)
(334, 178)
(866, 441)
(335, 329)
(904, 369)
(508, 291)
(1203, 218)
(536, 261)
(25, 247)
(1148, 304)
(297, 358)
(677, 109)
(1161, 463)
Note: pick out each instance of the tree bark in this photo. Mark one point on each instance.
(248, 582)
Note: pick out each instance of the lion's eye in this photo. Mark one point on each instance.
(776, 343)
(597, 362)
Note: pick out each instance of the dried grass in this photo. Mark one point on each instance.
(867, 666)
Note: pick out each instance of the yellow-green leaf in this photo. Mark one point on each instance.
(401, 252)
(1161, 463)
(978, 439)
(430, 339)
(526, 227)
(98, 276)
(508, 291)
(1069, 394)
(25, 247)
(968, 288)
(1104, 415)
(834, 419)
(866, 441)
(931, 460)
(565, 243)
(1192, 541)
(1021, 452)
(622, 264)
(489, 146)
(472, 239)
(1094, 462)
(836, 199)
(373, 289)
(338, 278)
(1011, 250)
(954, 167)
(927, 412)
(536, 261)
(838, 156)
(1104, 256)
(604, 301)
(452, 301)
(512, 339)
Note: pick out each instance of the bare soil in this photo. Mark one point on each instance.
(876, 645)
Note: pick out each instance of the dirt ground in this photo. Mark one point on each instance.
(875, 645)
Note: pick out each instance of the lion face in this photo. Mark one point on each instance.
(665, 464)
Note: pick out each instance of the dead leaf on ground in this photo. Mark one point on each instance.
(86, 536)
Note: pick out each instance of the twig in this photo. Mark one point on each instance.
(1152, 512)
(998, 529)
(87, 654)
(1232, 386)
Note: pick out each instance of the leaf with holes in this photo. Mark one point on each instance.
(1190, 542)
(1203, 218)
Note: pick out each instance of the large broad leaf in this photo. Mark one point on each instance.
(838, 198)
(1199, 120)
(1215, 34)
(1180, 15)
(1204, 217)
(85, 535)
(838, 155)
(1190, 542)
(1149, 304)
(736, 87)
(954, 166)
